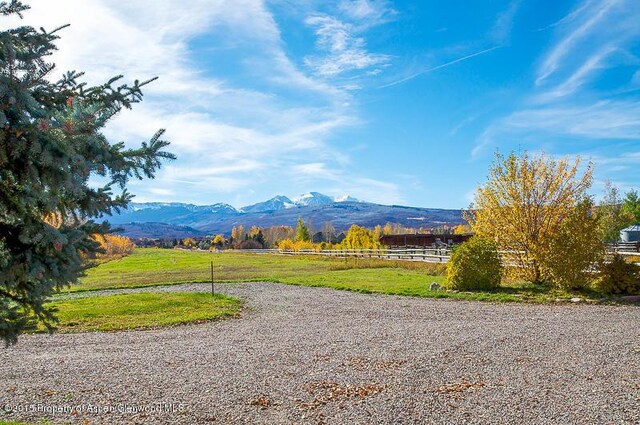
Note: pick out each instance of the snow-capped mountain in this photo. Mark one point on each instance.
(166, 211)
(139, 206)
(215, 208)
(345, 198)
(274, 204)
(220, 207)
(312, 199)
(280, 202)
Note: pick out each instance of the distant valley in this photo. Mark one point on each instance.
(178, 220)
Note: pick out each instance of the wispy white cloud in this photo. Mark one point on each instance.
(312, 169)
(573, 103)
(569, 17)
(162, 192)
(630, 159)
(620, 170)
(375, 190)
(575, 81)
(597, 36)
(344, 50)
(367, 12)
(501, 31)
(589, 16)
(604, 120)
(230, 133)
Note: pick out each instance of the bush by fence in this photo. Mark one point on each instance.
(474, 265)
(619, 277)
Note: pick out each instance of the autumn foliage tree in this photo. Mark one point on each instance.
(51, 144)
(359, 237)
(576, 248)
(256, 235)
(218, 241)
(523, 206)
(189, 242)
(462, 229)
(114, 246)
(275, 234)
(291, 245)
(237, 235)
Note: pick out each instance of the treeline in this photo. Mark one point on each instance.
(616, 212)
(303, 236)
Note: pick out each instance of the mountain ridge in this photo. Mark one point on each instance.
(156, 219)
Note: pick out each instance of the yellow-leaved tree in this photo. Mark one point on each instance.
(361, 238)
(577, 249)
(189, 242)
(218, 241)
(113, 246)
(462, 229)
(523, 206)
(237, 233)
(254, 231)
(377, 234)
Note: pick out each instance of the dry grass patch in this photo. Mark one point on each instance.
(331, 392)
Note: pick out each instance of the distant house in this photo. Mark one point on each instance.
(631, 233)
(421, 240)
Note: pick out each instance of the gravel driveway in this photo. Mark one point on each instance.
(317, 355)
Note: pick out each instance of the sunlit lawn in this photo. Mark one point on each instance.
(149, 267)
(142, 310)
(167, 266)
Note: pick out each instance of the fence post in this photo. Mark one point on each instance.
(213, 291)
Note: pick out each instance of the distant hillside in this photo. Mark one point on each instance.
(158, 231)
(175, 220)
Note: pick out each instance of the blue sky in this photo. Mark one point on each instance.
(399, 102)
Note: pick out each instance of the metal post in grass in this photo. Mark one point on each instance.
(213, 291)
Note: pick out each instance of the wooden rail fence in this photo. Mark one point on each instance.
(428, 255)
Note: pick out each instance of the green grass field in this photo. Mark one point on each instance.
(42, 421)
(166, 266)
(142, 310)
(149, 267)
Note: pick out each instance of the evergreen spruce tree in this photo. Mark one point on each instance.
(50, 145)
(302, 231)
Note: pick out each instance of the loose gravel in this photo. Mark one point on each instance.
(317, 355)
